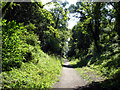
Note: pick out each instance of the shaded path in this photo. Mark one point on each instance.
(69, 78)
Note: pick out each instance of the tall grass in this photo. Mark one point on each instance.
(29, 75)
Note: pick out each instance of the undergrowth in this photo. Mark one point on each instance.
(105, 65)
(29, 75)
(24, 64)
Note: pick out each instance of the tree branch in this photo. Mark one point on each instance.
(5, 7)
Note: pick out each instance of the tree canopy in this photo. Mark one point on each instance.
(31, 32)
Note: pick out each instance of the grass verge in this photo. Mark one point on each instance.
(41, 75)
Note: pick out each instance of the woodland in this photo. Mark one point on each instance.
(35, 42)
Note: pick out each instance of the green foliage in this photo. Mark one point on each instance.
(74, 61)
(80, 41)
(25, 65)
(29, 66)
(18, 45)
(47, 25)
(99, 33)
(11, 43)
(29, 75)
(94, 41)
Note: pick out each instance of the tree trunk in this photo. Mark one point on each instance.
(97, 15)
(117, 26)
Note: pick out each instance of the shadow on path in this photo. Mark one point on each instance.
(67, 66)
(108, 84)
(103, 85)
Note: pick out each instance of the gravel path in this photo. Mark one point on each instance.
(69, 78)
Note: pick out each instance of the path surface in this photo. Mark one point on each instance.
(69, 78)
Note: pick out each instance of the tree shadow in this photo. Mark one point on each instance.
(108, 84)
(79, 64)
(67, 66)
(83, 62)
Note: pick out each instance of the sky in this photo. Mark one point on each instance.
(73, 21)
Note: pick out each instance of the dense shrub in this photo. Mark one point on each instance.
(18, 45)
(25, 65)
(11, 54)
(41, 75)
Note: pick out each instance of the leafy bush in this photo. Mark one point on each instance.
(22, 49)
(29, 75)
(11, 33)
(18, 45)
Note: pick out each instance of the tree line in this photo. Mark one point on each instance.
(98, 26)
(28, 28)
(95, 40)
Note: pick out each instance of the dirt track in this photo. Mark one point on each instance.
(69, 78)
